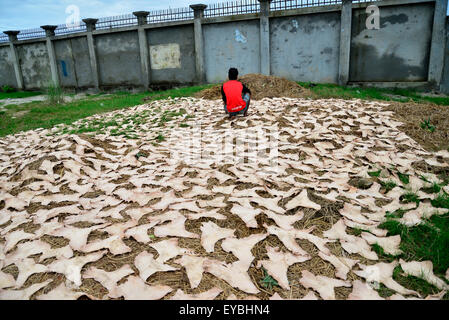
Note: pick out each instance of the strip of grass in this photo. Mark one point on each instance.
(427, 241)
(41, 115)
(18, 94)
(325, 91)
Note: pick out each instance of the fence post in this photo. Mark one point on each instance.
(49, 34)
(345, 42)
(198, 11)
(265, 59)
(143, 47)
(438, 44)
(90, 26)
(12, 35)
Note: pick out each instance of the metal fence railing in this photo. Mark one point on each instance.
(63, 29)
(31, 34)
(277, 5)
(232, 8)
(123, 20)
(177, 14)
(180, 14)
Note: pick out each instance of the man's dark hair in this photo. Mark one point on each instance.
(233, 74)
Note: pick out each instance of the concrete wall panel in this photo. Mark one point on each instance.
(445, 79)
(306, 47)
(35, 65)
(175, 70)
(81, 60)
(118, 58)
(65, 63)
(7, 75)
(399, 50)
(227, 45)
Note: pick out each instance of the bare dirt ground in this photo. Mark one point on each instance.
(159, 217)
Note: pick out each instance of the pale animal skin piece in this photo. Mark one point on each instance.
(247, 214)
(211, 233)
(288, 239)
(168, 249)
(342, 265)
(71, 268)
(206, 295)
(320, 243)
(140, 233)
(278, 264)
(24, 294)
(108, 279)
(61, 292)
(362, 291)
(136, 289)
(283, 221)
(176, 228)
(383, 273)
(321, 284)
(241, 248)
(14, 237)
(114, 243)
(309, 296)
(236, 274)
(302, 200)
(389, 244)
(147, 265)
(424, 270)
(6, 280)
(27, 267)
(249, 297)
(350, 243)
(194, 268)
(77, 236)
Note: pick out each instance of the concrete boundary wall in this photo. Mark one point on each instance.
(323, 44)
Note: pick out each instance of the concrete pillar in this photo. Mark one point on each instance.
(50, 33)
(437, 46)
(90, 26)
(198, 11)
(143, 46)
(265, 59)
(345, 42)
(12, 35)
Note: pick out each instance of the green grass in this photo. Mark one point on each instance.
(43, 115)
(410, 197)
(160, 137)
(442, 201)
(426, 241)
(18, 94)
(54, 93)
(268, 281)
(414, 283)
(335, 91)
(381, 253)
(374, 173)
(388, 185)
(434, 188)
(396, 214)
(426, 125)
(405, 179)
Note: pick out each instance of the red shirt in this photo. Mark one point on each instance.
(233, 91)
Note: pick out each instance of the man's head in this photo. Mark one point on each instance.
(233, 73)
